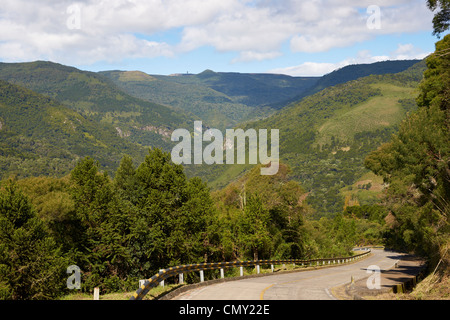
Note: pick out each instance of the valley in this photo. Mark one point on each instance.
(87, 157)
(324, 135)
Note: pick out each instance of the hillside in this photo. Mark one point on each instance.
(225, 99)
(325, 137)
(252, 89)
(221, 100)
(96, 97)
(216, 109)
(40, 136)
(353, 72)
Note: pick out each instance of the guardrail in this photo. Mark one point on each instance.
(163, 274)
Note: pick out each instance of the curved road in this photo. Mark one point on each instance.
(302, 285)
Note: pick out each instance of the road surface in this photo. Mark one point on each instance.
(304, 285)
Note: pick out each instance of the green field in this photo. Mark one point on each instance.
(376, 113)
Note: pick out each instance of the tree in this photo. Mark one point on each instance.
(282, 209)
(253, 227)
(125, 179)
(172, 213)
(416, 164)
(104, 228)
(31, 264)
(441, 20)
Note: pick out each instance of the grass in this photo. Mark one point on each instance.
(433, 287)
(153, 293)
(376, 113)
(135, 76)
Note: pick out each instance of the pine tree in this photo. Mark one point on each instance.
(31, 264)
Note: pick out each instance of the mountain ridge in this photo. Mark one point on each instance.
(325, 137)
(98, 98)
(322, 135)
(39, 135)
(225, 99)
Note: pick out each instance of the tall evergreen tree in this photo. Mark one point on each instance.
(31, 264)
(103, 252)
(172, 213)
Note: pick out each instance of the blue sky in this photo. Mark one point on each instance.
(295, 37)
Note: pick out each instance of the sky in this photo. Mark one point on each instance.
(293, 37)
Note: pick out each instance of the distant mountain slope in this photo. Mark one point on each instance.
(98, 98)
(216, 109)
(221, 100)
(39, 135)
(356, 71)
(255, 89)
(224, 99)
(353, 72)
(325, 137)
(70, 113)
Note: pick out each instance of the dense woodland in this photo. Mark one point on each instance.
(149, 217)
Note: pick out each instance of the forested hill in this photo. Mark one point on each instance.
(225, 99)
(97, 98)
(335, 119)
(221, 100)
(40, 136)
(352, 72)
(325, 137)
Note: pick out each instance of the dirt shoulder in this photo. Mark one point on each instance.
(401, 278)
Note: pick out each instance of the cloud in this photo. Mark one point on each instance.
(243, 29)
(343, 24)
(255, 56)
(306, 69)
(88, 31)
(408, 51)
(403, 52)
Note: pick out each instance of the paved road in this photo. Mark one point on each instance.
(306, 285)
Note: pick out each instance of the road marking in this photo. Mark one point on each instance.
(261, 296)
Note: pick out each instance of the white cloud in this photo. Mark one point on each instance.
(344, 24)
(249, 29)
(256, 56)
(254, 29)
(408, 51)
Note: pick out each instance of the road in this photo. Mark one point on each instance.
(305, 285)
